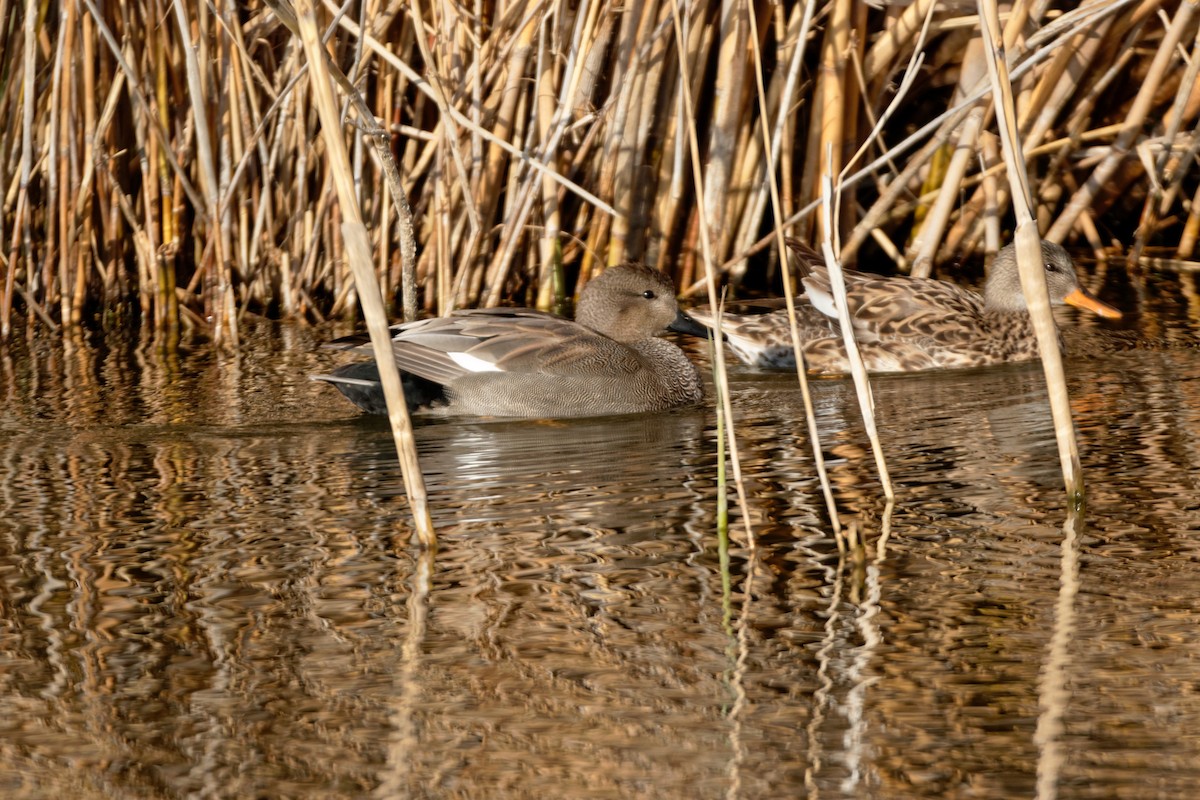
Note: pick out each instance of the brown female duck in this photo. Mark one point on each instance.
(906, 324)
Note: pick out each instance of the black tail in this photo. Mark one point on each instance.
(359, 383)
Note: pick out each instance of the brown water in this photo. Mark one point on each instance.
(206, 587)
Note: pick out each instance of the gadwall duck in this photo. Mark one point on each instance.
(907, 324)
(517, 362)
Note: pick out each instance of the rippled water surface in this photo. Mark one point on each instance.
(207, 587)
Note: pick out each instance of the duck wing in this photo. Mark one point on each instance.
(883, 308)
(507, 340)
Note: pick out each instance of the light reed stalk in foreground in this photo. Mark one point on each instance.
(1029, 254)
(711, 283)
(831, 205)
(737, 712)
(810, 418)
(359, 250)
(858, 370)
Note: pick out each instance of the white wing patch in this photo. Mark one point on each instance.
(822, 302)
(472, 363)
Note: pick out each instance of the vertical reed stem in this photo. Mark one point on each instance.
(1029, 253)
(359, 252)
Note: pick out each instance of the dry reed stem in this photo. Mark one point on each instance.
(536, 138)
(1029, 254)
(810, 417)
(858, 370)
(778, 99)
(355, 234)
(20, 225)
(1134, 120)
(222, 305)
(725, 125)
(726, 406)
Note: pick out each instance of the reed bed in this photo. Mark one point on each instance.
(163, 162)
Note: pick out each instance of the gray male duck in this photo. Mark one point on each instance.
(517, 362)
(904, 324)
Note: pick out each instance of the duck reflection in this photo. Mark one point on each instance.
(600, 471)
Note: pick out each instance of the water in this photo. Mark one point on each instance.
(207, 588)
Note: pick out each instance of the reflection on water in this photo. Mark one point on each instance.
(205, 579)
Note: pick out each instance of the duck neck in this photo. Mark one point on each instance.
(676, 370)
(1014, 329)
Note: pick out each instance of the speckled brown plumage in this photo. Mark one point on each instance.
(909, 324)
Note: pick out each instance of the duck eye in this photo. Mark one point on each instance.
(1052, 268)
(648, 294)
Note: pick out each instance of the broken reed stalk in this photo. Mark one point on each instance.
(359, 251)
(1029, 253)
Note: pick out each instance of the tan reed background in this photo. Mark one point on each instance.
(164, 162)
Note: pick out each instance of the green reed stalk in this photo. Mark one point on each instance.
(721, 387)
(814, 434)
(711, 283)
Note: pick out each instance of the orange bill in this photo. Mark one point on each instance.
(1082, 298)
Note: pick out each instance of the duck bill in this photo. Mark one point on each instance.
(686, 324)
(1082, 298)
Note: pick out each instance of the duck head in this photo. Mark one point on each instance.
(1002, 292)
(631, 302)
